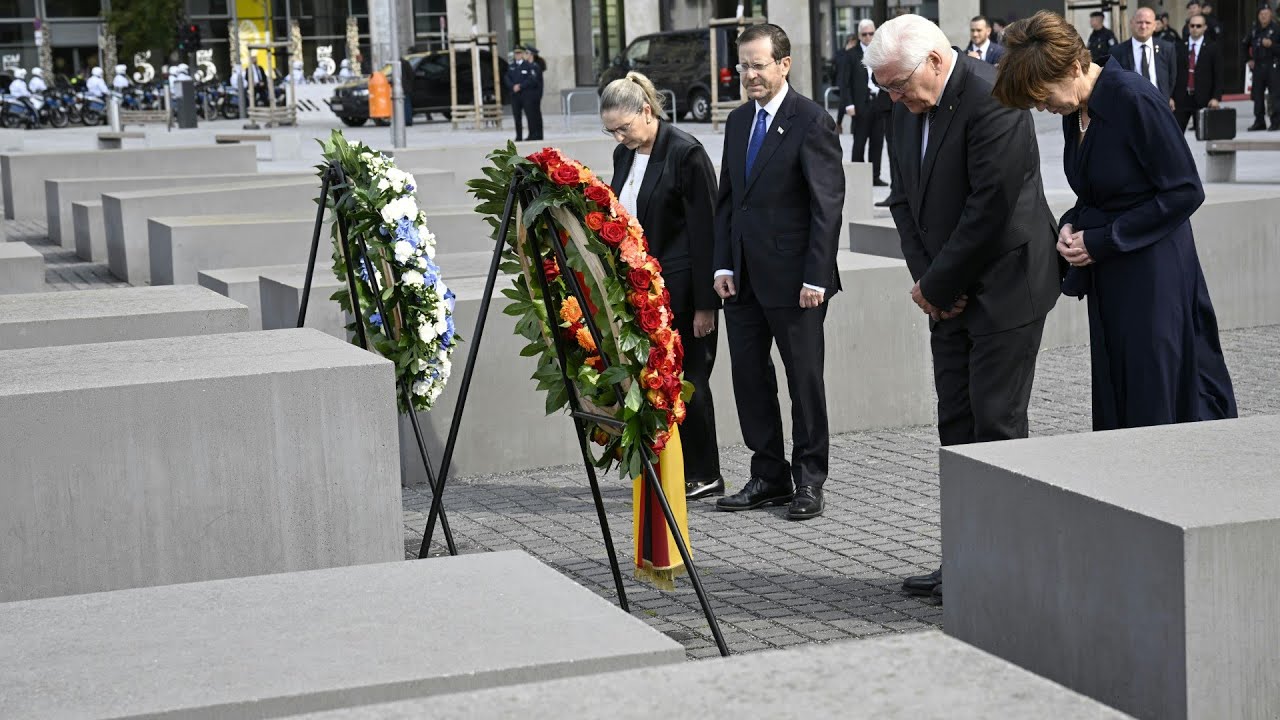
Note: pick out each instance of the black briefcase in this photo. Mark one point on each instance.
(1216, 124)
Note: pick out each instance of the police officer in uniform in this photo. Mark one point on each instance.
(1263, 44)
(1101, 39)
(120, 81)
(524, 80)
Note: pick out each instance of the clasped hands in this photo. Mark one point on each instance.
(1071, 246)
(934, 312)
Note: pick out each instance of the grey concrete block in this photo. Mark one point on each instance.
(77, 317)
(125, 214)
(180, 247)
(23, 174)
(1134, 566)
(901, 677)
(875, 236)
(197, 458)
(313, 641)
(60, 193)
(88, 230)
(241, 285)
(871, 323)
(21, 268)
(857, 196)
(281, 291)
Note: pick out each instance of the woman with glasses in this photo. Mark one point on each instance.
(1153, 334)
(662, 175)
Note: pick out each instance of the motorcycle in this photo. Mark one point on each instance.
(16, 113)
(94, 110)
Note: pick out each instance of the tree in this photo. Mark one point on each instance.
(141, 25)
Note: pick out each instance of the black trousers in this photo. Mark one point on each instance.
(983, 381)
(517, 114)
(1188, 112)
(798, 332)
(1265, 78)
(869, 126)
(698, 433)
(533, 111)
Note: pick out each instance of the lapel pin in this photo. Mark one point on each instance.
(780, 131)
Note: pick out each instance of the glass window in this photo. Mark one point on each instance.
(17, 8)
(73, 8)
(638, 53)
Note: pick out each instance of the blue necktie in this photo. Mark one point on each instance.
(757, 139)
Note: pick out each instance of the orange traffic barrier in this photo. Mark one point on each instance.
(379, 96)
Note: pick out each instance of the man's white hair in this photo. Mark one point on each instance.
(866, 24)
(904, 41)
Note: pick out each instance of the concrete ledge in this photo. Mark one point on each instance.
(1134, 566)
(125, 214)
(94, 316)
(241, 285)
(194, 458)
(180, 247)
(280, 293)
(312, 641)
(88, 230)
(870, 324)
(23, 174)
(21, 268)
(857, 197)
(920, 675)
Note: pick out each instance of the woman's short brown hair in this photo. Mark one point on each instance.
(1039, 51)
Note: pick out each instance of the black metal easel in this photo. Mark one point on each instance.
(579, 415)
(335, 181)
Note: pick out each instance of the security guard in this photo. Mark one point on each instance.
(1263, 43)
(1101, 39)
(524, 80)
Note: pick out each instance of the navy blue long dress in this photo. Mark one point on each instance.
(1155, 351)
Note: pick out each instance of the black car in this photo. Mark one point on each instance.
(679, 62)
(429, 87)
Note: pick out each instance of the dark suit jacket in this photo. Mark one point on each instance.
(859, 93)
(676, 208)
(1165, 59)
(972, 217)
(782, 223)
(1208, 75)
(995, 51)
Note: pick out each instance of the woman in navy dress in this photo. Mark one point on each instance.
(1155, 353)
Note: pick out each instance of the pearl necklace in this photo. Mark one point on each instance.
(1080, 120)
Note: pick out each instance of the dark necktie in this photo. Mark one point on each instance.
(757, 139)
(1146, 64)
(1191, 69)
(926, 126)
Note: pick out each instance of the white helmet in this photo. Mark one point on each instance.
(37, 72)
(122, 69)
(96, 72)
(183, 68)
(346, 63)
(19, 73)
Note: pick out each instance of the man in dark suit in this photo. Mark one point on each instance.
(981, 46)
(777, 231)
(976, 232)
(1147, 55)
(867, 110)
(845, 66)
(1200, 76)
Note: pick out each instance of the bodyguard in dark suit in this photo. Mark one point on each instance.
(976, 232)
(777, 231)
(663, 176)
(1200, 76)
(845, 65)
(981, 46)
(868, 110)
(1147, 55)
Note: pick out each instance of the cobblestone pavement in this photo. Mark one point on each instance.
(63, 270)
(776, 583)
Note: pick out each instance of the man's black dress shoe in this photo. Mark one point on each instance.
(757, 493)
(923, 585)
(694, 489)
(937, 592)
(1257, 126)
(806, 504)
(879, 183)
(883, 203)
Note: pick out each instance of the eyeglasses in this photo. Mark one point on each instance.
(1196, 26)
(621, 129)
(900, 87)
(867, 34)
(757, 68)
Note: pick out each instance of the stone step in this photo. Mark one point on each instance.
(21, 268)
(312, 641)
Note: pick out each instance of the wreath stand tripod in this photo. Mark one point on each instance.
(335, 181)
(527, 199)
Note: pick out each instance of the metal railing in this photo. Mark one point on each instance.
(673, 111)
(568, 103)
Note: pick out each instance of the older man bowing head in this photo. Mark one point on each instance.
(777, 230)
(976, 232)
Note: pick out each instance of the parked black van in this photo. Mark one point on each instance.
(429, 86)
(679, 61)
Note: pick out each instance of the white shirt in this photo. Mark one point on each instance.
(924, 139)
(982, 49)
(771, 110)
(18, 88)
(96, 87)
(37, 85)
(1151, 57)
(631, 188)
(120, 82)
